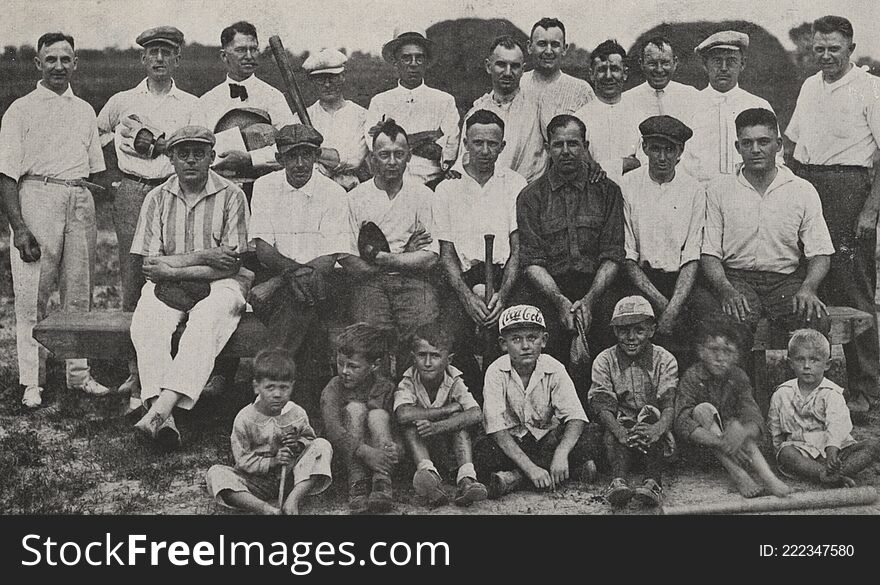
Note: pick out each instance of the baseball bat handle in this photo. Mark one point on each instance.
(294, 97)
(489, 240)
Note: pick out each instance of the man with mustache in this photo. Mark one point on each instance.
(659, 95)
(48, 146)
(712, 151)
(836, 128)
(417, 108)
(612, 120)
(133, 126)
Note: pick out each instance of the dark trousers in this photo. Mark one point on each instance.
(852, 280)
(489, 458)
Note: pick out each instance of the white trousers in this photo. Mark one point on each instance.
(210, 324)
(62, 219)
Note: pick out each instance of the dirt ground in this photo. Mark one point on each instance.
(78, 456)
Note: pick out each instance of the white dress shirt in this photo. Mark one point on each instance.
(166, 112)
(464, 212)
(564, 95)
(303, 223)
(676, 100)
(837, 123)
(342, 130)
(613, 132)
(663, 223)
(43, 133)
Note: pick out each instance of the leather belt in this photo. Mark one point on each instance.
(144, 180)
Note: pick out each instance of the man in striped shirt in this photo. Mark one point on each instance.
(191, 231)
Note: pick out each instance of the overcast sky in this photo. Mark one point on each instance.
(366, 24)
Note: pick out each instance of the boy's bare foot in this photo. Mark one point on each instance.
(836, 480)
(778, 488)
(746, 486)
(290, 509)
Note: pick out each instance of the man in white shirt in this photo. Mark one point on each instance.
(242, 89)
(756, 222)
(836, 128)
(133, 126)
(49, 145)
(612, 120)
(556, 92)
(299, 225)
(712, 151)
(340, 121)
(664, 211)
(482, 201)
(659, 95)
(394, 288)
(428, 115)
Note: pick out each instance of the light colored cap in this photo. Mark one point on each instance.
(726, 39)
(325, 61)
(629, 310)
(521, 316)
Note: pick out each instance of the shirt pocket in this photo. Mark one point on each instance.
(588, 227)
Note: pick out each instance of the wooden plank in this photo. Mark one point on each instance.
(846, 324)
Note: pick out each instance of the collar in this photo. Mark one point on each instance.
(848, 78)
(448, 376)
(783, 175)
(506, 103)
(249, 83)
(46, 93)
(142, 87)
(718, 96)
(825, 384)
(644, 359)
(557, 180)
(499, 174)
(214, 185)
(542, 366)
(308, 189)
(263, 419)
(417, 89)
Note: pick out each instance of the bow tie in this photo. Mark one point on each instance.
(238, 91)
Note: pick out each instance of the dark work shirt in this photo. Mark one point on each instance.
(732, 397)
(569, 225)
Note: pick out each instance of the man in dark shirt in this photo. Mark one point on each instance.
(571, 240)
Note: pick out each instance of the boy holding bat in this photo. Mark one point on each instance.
(271, 437)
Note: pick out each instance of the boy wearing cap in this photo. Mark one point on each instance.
(663, 214)
(298, 228)
(428, 115)
(712, 152)
(134, 126)
(193, 272)
(633, 394)
(340, 121)
(534, 422)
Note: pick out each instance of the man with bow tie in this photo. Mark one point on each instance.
(242, 89)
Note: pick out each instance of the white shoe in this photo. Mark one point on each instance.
(215, 386)
(33, 397)
(134, 405)
(93, 388)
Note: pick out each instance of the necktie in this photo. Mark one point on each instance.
(238, 91)
(660, 93)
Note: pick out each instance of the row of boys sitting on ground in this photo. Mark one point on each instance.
(536, 429)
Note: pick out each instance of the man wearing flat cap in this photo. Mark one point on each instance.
(663, 213)
(191, 232)
(340, 121)
(299, 227)
(428, 115)
(712, 151)
(133, 126)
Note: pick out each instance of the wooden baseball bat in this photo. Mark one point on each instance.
(291, 93)
(281, 486)
(489, 240)
(836, 498)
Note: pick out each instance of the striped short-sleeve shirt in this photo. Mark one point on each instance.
(170, 225)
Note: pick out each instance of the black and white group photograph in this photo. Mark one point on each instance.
(439, 257)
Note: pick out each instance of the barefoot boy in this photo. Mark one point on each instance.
(714, 408)
(532, 416)
(810, 422)
(436, 410)
(633, 395)
(269, 437)
(355, 407)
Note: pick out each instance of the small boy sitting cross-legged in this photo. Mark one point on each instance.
(715, 409)
(436, 410)
(810, 422)
(633, 395)
(269, 437)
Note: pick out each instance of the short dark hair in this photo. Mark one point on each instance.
(832, 24)
(241, 27)
(606, 49)
(723, 326)
(658, 41)
(433, 333)
(563, 120)
(483, 117)
(370, 341)
(756, 117)
(547, 23)
(52, 38)
(274, 363)
(506, 41)
(391, 129)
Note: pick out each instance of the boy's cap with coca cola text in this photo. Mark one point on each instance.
(521, 316)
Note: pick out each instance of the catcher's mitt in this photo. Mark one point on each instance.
(371, 241)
